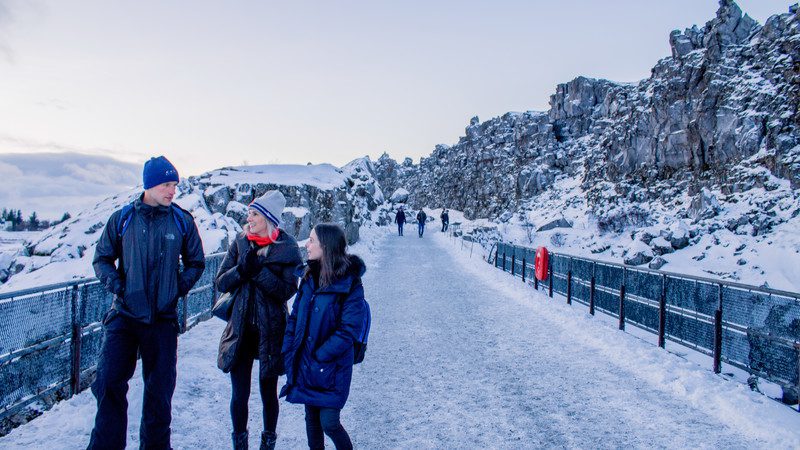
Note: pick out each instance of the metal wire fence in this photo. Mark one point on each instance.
(752, 328)
(50, 336)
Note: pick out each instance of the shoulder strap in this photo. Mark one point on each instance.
(177, 215)
(124, 219)
(356, 281)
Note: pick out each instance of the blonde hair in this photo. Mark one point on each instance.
(271, 227)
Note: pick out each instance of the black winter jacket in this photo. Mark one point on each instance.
(400, 217)
(269, 290)
(148, 281)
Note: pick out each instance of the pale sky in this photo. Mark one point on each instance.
(220, 83)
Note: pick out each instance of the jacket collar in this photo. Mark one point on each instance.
(147, 210)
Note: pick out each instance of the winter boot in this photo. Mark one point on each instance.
(239, 440)
(268, 439)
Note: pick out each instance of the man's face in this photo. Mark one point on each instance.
(163, 193)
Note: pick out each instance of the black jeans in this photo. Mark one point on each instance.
(319, 420)
(158, 345)
(240, 384)
(400, 229)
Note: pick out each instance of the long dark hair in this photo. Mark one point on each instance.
(334, 261)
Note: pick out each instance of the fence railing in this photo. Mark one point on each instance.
(50, 336)
(753, 328)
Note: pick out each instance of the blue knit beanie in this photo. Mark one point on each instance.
(159, 170)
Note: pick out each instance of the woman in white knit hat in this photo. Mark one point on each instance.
(260, 268)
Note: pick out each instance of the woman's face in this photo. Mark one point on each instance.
(257, 223)
(313, 246)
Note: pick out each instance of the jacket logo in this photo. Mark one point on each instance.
(169, 236)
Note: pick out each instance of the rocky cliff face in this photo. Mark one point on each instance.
(717, 124)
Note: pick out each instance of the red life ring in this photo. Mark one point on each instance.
(541, 263)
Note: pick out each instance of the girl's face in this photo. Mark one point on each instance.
(313, 246)
(257, 223)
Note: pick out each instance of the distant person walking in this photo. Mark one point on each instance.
(137, 259)
(400, 220)
(260, 269)
(326, 318)
(421, 218)
(445, 220)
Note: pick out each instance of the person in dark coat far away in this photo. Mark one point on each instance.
(445, 220)
(137, 259)
(421, 218)
(260, 268)
(326, 318)
(400, 220)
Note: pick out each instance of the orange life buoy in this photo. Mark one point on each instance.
(541, 263)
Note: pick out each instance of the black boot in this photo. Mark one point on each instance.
(268, 439)
(239, 440)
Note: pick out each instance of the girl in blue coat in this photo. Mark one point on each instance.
(318, 345)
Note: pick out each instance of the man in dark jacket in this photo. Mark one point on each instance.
(137, 259)
(421, 218)
(400, 220)
(445, 220)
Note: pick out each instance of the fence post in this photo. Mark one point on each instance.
(513, 263)
(75, 344)
(496, 257)
(504, 260)
(662, 312)
(592, 289)
(550, 271)
(569, 282)
(185, 309)
(718, 334)
(622, 300)
(524, 266)
(797, 347)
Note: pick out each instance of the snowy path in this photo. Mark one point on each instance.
(458, 359)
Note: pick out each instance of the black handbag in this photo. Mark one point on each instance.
(224, 305)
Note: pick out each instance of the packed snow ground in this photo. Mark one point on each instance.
(464, 356)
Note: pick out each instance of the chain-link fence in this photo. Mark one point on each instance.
(50, 337)
(753, 328)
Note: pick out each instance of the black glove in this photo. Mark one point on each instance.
(249, 266)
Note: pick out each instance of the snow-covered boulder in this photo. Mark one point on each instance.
(400, 195)
(638, 253)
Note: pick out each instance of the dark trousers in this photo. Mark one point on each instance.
(444, 226)
(400, 229)
(240, 392)
(158, 346)
(421, 228)
(325, 420)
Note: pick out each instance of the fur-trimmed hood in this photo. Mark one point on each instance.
(344, 276)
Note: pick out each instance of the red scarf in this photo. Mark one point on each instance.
(263, 241)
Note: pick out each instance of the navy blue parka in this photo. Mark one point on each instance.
(318, 345)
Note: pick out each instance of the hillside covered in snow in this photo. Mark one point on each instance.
(218, 201)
